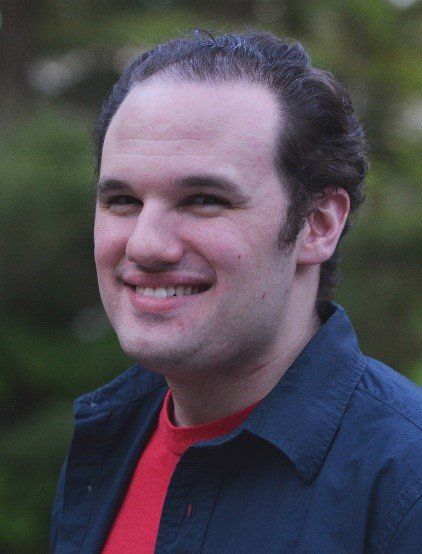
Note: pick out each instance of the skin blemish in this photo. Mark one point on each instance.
(264, 295)
(239, 256)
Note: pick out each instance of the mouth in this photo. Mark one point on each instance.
(169, 292)
(160, 300)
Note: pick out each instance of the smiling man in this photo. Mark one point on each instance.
(227, 172)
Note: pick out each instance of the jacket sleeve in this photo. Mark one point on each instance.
(57, 510)
(408, 537)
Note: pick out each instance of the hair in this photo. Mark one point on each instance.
(320, 147)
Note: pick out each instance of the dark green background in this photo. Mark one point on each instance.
(58, 59)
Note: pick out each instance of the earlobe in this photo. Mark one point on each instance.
(323, 228)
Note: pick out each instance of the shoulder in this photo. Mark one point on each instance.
(392, 408)
(132, 385)
(386, 410)
(397, 393)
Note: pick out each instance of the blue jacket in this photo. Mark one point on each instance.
(329, 462)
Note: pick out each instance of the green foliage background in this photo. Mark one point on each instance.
(56, 342)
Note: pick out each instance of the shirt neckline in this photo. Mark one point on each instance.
(179, 438)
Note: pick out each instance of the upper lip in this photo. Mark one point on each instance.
(166, 280)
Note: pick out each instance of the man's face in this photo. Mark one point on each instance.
(187, 222)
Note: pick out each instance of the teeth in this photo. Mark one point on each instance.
(149, 292)
(166, 292)
(160, 292)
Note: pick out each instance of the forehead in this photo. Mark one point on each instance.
(231, 125)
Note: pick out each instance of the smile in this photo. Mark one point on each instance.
(157, 300)
(169, 292)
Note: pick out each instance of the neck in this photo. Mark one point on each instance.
(211, 396)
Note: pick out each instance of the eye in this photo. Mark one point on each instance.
(122, 204)
(206, 200)
(122, 200)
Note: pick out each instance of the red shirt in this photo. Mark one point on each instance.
(136, 525)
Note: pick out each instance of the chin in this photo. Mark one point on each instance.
(154, 356)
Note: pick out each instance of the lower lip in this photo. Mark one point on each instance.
(158, 305)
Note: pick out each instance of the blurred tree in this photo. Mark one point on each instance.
(13, 55)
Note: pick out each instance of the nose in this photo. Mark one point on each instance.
(153, 243)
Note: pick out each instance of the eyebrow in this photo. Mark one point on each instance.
(215, 182)
(106, 186)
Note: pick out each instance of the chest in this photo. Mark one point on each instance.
(256, 501)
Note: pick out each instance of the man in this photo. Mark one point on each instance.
(227, 172)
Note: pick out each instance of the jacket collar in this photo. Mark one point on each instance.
(301, 415)
(130, 386)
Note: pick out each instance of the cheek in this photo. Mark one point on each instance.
(219, 242)
(110, 241)
(232, 247)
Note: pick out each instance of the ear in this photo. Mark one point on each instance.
(323, 228)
